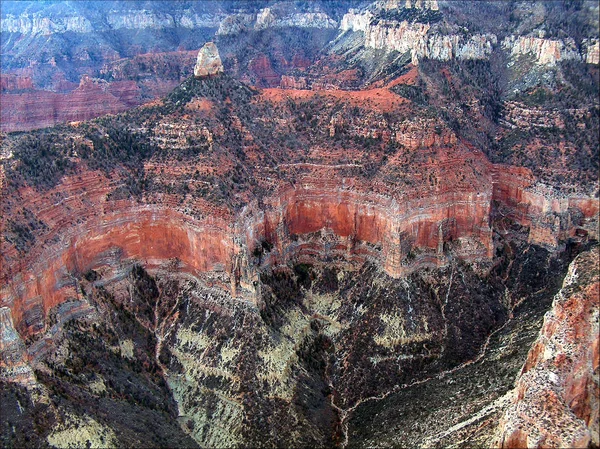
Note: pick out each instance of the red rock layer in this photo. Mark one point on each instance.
(556, 395)
(328, 218)
(40, 109)
(540, 209)
(146, 76)
(12, 82)
(111, 233)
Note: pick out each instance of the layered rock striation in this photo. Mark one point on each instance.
(546, 51)
(275, 17)
(36, 23)
(421, 37)
(92, 98)
(318, 219)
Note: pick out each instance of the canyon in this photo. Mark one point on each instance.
(75, 248)
(330, 227)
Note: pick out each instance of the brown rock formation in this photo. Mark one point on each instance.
(12, 82)
(433, 198)
(555, 401)
(322, 217)
(208, 62)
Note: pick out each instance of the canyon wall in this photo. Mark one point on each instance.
(40, 108)
(112, 234)
(107, 236)
(545, 51)
(555, 400)
(39, 23)
(277, 17)
(318, 219)
(416, 38)
(552, 217)
(132, 81)
(424, 40)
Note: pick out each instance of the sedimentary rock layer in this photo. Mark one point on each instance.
(315, 219)
(39, 109)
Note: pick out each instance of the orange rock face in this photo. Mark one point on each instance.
(539, 209)
(555, 400)
(319, 218)
(112, 234)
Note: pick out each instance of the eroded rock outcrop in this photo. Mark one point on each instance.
(47, 23)
(38, 24)
(592, 51)
(316, 220)
(423, 39)
(424, 199)
(416, 38)
(208, 62)
(555, 402)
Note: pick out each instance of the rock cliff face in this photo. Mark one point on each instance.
(15, 82)
(545, 51)
(39, 23)
(416, 38)
(593, 51)
(278, 17)
(92, 98)
(555, 401)
(422, 38)
(306, 265)
(36, 24)
(318, 219)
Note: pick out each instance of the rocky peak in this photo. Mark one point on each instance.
(208, 62)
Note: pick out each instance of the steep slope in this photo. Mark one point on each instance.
(562, 368)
